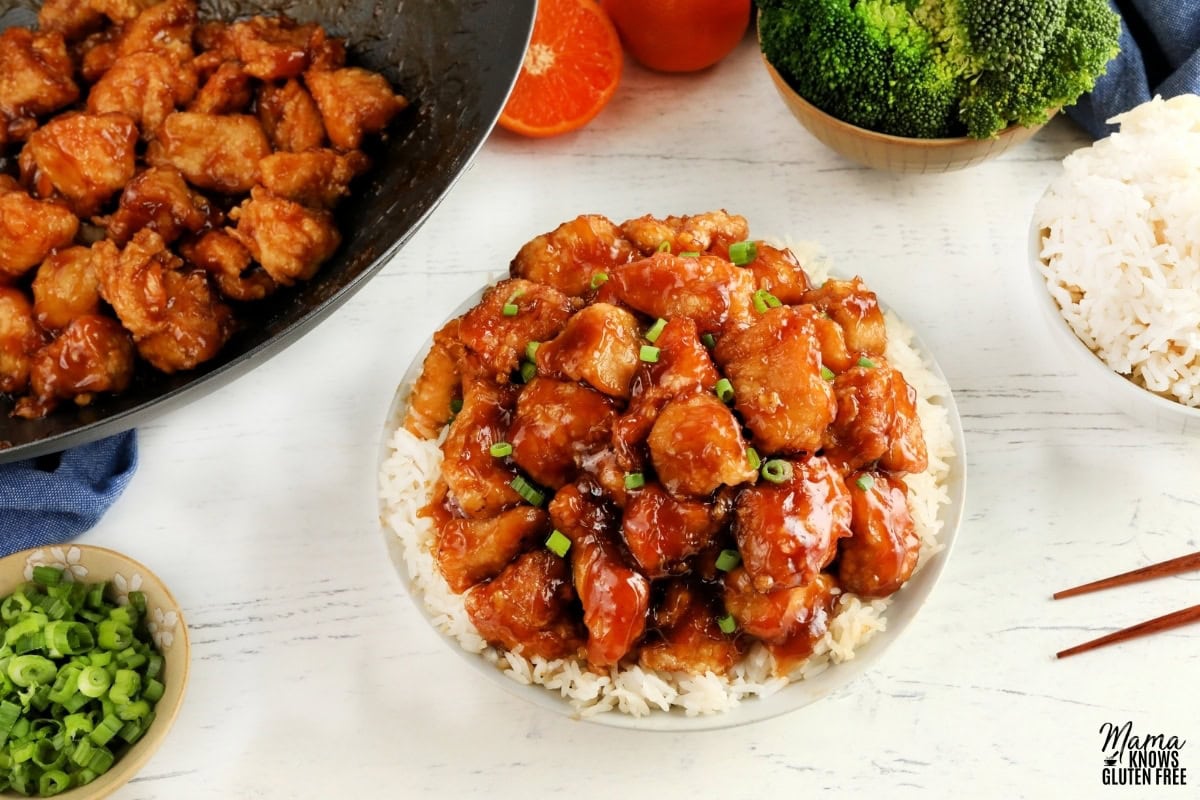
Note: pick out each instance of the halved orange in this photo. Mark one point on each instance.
(570, 72)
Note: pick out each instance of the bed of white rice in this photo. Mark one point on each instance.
(1121, 246)
(411, 468)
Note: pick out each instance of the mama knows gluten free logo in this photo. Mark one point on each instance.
(1140, 760)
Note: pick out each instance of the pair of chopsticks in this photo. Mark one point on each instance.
(1175, 619)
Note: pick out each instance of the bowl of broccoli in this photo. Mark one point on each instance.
(932, 85)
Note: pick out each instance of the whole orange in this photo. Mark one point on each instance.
(679, 35)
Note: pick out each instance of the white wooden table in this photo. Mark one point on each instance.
(315, 677)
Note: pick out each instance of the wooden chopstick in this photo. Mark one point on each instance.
(1159, 570)
(1172, 620)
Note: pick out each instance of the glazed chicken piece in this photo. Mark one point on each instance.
(353, 103)
(712, 231)
(71, 18)
(696, 445)
(683, 367)
(230, 265)
(707, 289)
(65, 287)
(606, 468)
(555, 426)
(499, 339)
(472, 550)
(854, 307)
(144, 86)
(876, 421)
(159, 199)
(834, 353)
(479, 483)
(615, 597)
(779, 615)
(779, 273)
(229, 90)
(35, 77)
(220, 153)
(290, 241)
(19, 339)
(788, 409)
(94, 354)
(600, 346)
(83, 158)
(788, 532)
(662, 532)
(175, 317)
(528, 608)
(315, 178)
(97, 53)
(429, 407)
(273, 48)
(121, 10)
(290, 117)
(574, 253)
(166, 27)
(30, 229)
(882, 553)
(691, 640)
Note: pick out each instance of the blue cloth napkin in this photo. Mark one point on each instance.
(1160, 55)
(55, 498)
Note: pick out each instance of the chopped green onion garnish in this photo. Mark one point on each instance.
(752, 457)
(689, 254)
(664, 246)
(500, 450)
(776, 470)
(742, 253)
(827, 373)
(47, 576)
(456, 405)
(531, 350)
(528, 372)
(727, 624)
(724, 390)
(29, 670)
(510, 309)
(648, 353)
(634, 480)
(557, 543)
(94, 681)
(52, 782)
(598, 279)
(864, 482)
(760, 302)
(709, 341)
(728, 560)
(656, 330)
(529, 493)
(866, 362)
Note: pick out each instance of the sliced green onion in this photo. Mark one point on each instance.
(760, 302)
(656, 330)
(138, 601)
(689, 254)
(598, 279)
(31, 670)
(529, 493)
(866, 362)
(76, 725)
(125, 685)
(9, 714)
(648, 353)
(510, 310)
(500, 449)
(753, 458)
(776, 470)
(728, 560)
(47, 576)
(864, 482)
(528, 372)
(664, 246)
(827, 373)
(724, 390)
(727, 624)
(68, 638)
(709, 341)
(101, 760)
(531, 350)
(52, 782)
(94, 681)
(82, 752)
(153, 691)
(558, 543)
(742, 253)
(456, 405)
(114, 635)
(634, 480)
(106, 730)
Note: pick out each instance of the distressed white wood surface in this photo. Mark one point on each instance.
(314, 677)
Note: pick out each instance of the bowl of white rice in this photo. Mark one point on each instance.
(629, 696)
(1115, 261)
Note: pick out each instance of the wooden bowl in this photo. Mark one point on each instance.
(895, 153)
(92, 565)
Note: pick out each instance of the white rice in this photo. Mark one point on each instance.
(1121, 246)
(411, 469)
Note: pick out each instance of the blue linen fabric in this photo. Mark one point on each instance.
(1160, 55)
(55, 498)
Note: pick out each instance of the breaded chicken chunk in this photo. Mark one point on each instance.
(66, 287)
(144, 86)
(696, 445)
(229, 90)
(573, 254)
(354, 103)
(708, 289)
(35, 77)
(159, 199)
(19, 339)
(315, 178)
(557, 423)
(290, 117)
(220, 153)
(599, 345)
(290, 241)
(83, 158)
(710, 232)
(30, 229)
(229, 264)
(472, 550)
(500, 338)
(94, 354)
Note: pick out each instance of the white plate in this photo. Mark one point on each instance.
(900, 613)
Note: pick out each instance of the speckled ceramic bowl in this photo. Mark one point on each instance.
(91, 564)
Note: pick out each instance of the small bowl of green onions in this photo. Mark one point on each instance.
(93, 665)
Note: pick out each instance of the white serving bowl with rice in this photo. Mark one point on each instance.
(1115, 263)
